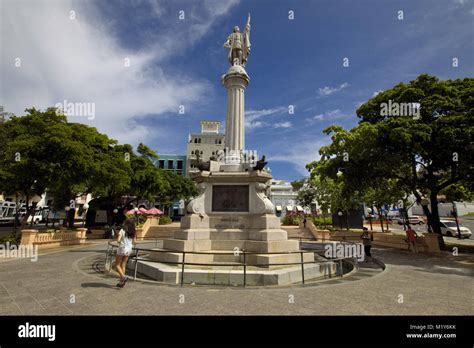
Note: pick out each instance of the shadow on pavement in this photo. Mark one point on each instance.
(444, 262)
(99, 285)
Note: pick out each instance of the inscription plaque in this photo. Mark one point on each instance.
(230, 198)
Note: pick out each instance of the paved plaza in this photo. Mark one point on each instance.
(67, 281)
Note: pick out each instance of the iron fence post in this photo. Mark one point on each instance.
(245, 269)
(107, 255)
(340, 267)
(302, 266)
(136, 266)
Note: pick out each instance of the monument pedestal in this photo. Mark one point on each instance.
(232, 213)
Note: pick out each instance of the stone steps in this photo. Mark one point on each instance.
(215, 256)
(233, 275)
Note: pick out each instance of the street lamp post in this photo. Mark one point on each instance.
(68, 208)
(339, 213)
(369, 213)
(114, 217)
(455, 213)
(85, 207)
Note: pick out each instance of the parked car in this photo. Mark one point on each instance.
(449, 228)
(412, 220)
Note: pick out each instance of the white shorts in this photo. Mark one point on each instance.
(121, 251)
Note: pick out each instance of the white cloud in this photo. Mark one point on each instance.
(283, 125)
(254, 125)
(82, 61)
(255, 114)
(252, 116)
(331, 90)
(376, 93)
(329, 115)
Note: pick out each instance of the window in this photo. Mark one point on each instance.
(220, 141)
(161, 164)
(179, 165)
(170, 164)
(199, 141)
(195, 140)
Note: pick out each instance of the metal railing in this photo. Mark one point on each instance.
(244, 264)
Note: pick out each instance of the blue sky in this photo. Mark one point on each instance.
(177, 62)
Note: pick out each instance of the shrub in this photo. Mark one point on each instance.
(138, 219)
(165, 220)
(11, 238)
(322, 221)
(292, 219)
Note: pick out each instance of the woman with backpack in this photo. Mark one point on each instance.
(126, 239)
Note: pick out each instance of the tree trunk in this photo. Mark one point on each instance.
(380, 217)
(15, 222)
(435, 223)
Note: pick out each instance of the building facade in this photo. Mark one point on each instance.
(204, 145)
(175, 163)
(283, 197)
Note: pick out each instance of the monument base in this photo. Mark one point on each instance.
(234, 275)
(230, 216)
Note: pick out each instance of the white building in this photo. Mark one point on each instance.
(205, 144)
(283, 197)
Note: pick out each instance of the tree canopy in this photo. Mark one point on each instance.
(395, 155)
(42, 152)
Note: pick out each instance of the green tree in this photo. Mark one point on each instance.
(298, 184)
(422, 155)
(43, 152)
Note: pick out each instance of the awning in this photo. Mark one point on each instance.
(289, 208)
(299, 208)
(278, 207)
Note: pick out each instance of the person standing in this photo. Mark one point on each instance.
(411, 239)
(126, 239)
(367, 242)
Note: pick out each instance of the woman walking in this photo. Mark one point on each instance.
(126, 239)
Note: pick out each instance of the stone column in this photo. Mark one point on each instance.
(235, 81)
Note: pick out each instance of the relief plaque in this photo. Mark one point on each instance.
(230, 198)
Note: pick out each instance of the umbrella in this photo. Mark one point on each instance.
(154, 211)
(132, 212)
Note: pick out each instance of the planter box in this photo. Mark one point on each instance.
(53, 240)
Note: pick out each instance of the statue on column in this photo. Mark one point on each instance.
(239, 45)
